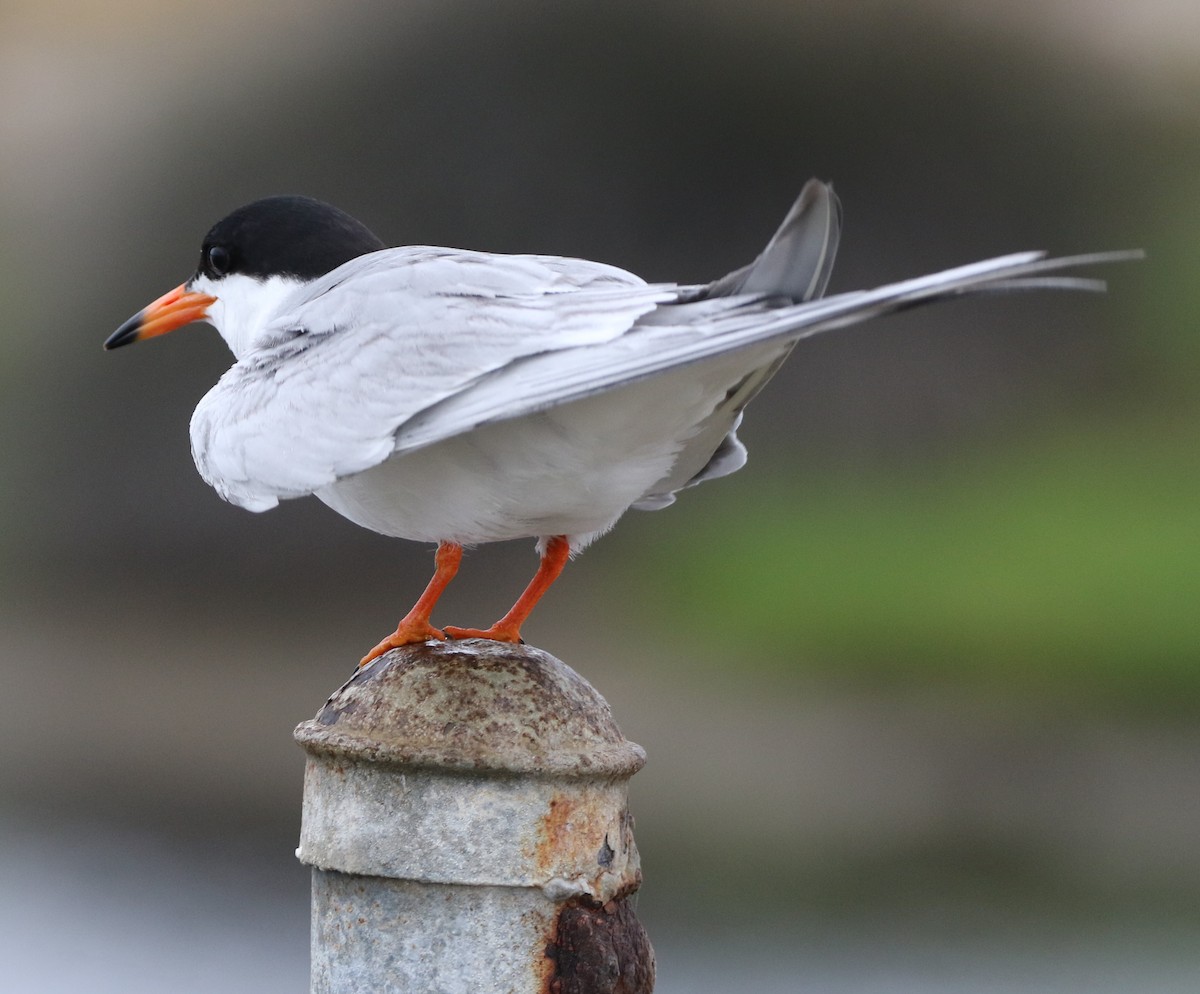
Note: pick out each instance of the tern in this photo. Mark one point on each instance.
(457, 397)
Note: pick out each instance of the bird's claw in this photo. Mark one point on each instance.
(408, 633)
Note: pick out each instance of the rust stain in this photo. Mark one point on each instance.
(555, 832)
(599, 949)
(572, 832)
(543, 965)
(577, 835)
(557, 823)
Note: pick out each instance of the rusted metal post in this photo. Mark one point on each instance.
(466, 819)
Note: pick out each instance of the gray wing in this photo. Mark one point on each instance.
(370, 346)
(796, 264)
(694, 330)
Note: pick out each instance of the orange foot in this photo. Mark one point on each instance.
(408, 633)
(497, 633)
(508, 628)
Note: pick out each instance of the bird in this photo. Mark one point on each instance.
(458, 397)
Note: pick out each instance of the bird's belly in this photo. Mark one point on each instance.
(572, 470)
(477, 488)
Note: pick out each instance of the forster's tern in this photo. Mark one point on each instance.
(459, 397)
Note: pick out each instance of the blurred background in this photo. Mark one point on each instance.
(919, 686)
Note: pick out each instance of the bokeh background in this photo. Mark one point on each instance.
(919, 686)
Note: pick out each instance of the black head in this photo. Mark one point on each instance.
(284, 236)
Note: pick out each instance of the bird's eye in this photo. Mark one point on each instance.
(218, 259)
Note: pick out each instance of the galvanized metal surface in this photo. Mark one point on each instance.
(373, 935)
(465, 810)
(570, 838)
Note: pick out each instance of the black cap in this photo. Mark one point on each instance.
(284, 236)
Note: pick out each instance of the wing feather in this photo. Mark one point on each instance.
(690, 332)
(357, 354)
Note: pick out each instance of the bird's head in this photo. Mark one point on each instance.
(249, 262)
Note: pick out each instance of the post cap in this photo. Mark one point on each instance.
(473, 705)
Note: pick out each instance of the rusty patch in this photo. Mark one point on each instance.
(555, 831)
(572, 826)
(577, 838)
(557, 822)
(600, 949)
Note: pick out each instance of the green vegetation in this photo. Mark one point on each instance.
(1073, 561)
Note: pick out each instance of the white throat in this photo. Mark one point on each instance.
(245, 307)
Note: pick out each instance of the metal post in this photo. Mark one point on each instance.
(465, 815)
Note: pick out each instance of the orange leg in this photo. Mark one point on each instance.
(508, 628)
(415, 626)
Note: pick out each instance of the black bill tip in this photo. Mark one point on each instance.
(128, 332)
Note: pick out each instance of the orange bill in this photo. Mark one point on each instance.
(172, 310)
